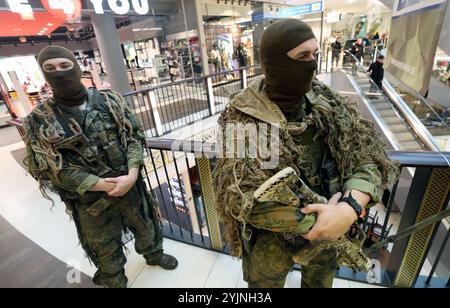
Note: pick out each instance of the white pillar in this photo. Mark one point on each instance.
(212, 104)
(156, 117)
(22, 104)
(201, 36)
(244, 78)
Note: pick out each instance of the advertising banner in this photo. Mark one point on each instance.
(415, 29)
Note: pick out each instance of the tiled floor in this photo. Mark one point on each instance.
(22, 205)
(8, 135)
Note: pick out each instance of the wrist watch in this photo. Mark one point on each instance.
(354, 204)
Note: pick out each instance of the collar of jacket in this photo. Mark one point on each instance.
(254, 102)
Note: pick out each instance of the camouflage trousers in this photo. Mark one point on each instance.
(269, 260)
(100, 233)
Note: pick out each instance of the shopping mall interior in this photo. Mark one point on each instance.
(178, 63)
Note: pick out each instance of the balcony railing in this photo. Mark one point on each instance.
(169, 106)
(179, 174)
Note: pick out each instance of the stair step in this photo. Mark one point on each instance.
(392, 120)
(398, 128)
(382, 106)
(387, 113)
(403, 137)
(378, 97)
(410, 146)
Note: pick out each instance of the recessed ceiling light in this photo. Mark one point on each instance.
(49, 24)
(39, 33)
(45, 29)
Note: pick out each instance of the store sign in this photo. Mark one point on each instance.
(64, 9)
(310, 8)
(257, 17)
(21, 7)
(122, 7)
(71, 9)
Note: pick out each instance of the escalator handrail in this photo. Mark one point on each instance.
(423, 100)
(412, 119)
(417, 126)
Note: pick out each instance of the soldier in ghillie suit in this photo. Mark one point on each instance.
(322, 137)
(88, 146)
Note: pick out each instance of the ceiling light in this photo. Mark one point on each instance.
(147, 29)
(49, 24)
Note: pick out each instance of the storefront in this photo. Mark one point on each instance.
(22, 84)
(165, 41)
(441, 67)
(158, 40)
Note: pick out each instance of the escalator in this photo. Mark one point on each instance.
(397, 121)
(386, 111)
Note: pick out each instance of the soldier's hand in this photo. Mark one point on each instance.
(104, 186)
(123, 185)
(333, 219)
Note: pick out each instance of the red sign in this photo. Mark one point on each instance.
(43, 23)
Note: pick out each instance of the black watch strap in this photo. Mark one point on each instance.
(354, 204)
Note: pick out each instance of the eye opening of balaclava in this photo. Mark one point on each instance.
(287, 80)
(66, 84)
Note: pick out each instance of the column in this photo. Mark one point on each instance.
(201, 36)
(111, 51)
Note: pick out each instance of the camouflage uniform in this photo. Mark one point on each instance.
(69, 150)
(332, 148)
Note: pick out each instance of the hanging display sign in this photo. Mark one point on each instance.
(415, 29)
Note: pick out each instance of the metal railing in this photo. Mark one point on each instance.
(169, 106)
(179, 174)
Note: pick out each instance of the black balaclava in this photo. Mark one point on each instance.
(66, 85)
(287, 80)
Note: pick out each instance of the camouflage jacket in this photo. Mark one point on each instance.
(69, 149)
(332, 128)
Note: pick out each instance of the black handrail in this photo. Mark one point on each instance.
(422, 161)
(406, 158)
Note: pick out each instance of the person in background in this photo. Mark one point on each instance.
(241, 55)
(215, 58)
(358, 51)
(173, 65)
(446, 115)
(376, 71)
(336, 48)
(376, 37)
